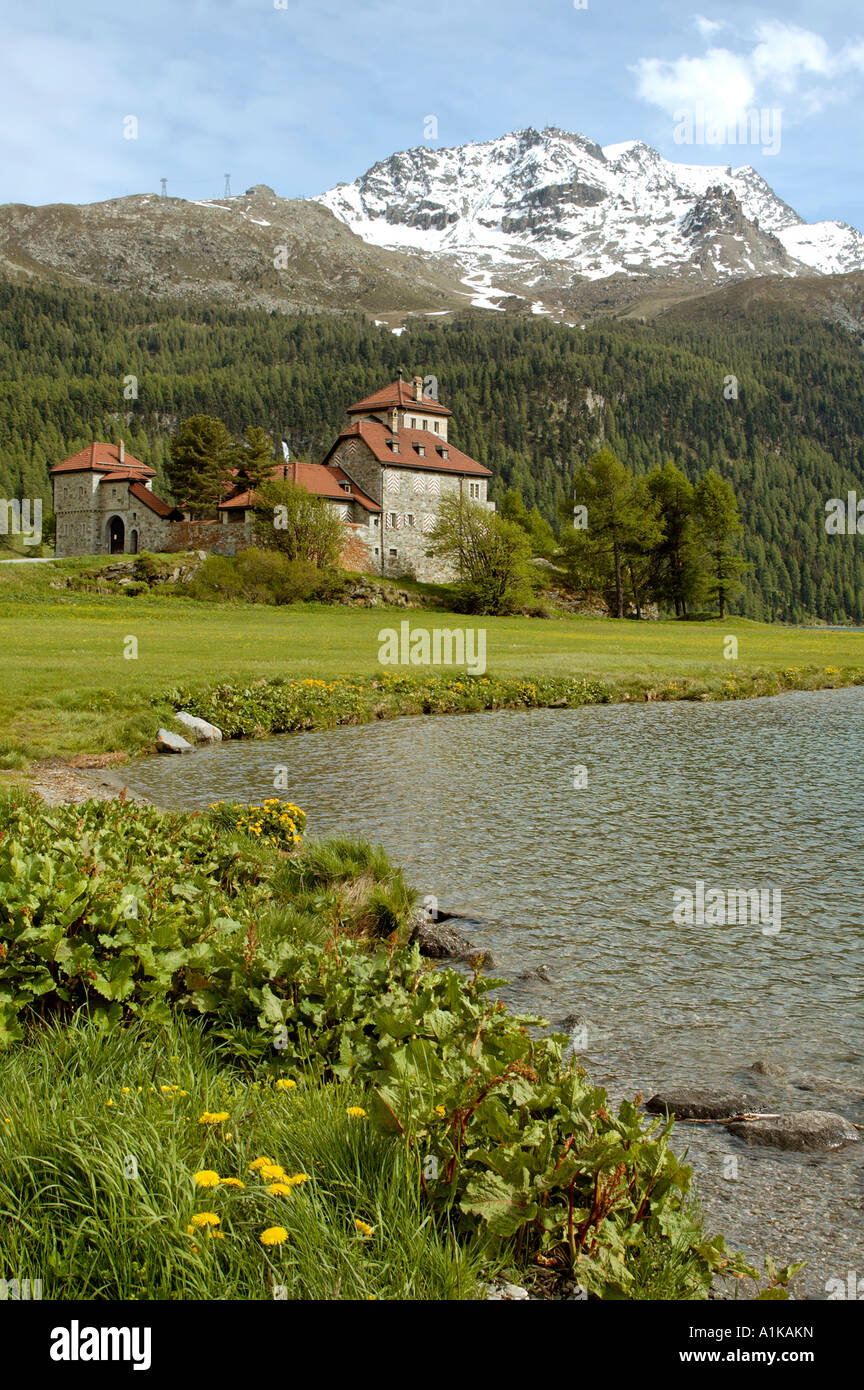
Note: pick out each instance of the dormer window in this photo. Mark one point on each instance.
(394, 445)
(444, 452)
(421, 449)
(346, 486)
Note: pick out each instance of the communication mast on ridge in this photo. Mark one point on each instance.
(227, 193)
(164, 191)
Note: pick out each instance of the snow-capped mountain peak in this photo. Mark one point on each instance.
(552, 207)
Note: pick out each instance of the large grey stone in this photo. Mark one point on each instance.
(692, 1103)
(166, 742)
(202, 731)
(804, 1130)
(439, 941)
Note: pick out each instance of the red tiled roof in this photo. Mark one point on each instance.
(399, 393)
(101, 458)
(376, 435)
(242, 499)
(312, 477)
(151, 500)
(123, 475)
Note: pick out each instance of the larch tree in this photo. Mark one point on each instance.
(719, 527)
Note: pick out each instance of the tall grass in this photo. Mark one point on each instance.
(97, 1189)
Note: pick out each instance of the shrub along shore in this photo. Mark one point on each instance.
(227, 1072)
(280, 705)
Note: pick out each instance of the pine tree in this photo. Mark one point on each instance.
(200, 462)
(253, 459)
(676, 573)
(719, 527)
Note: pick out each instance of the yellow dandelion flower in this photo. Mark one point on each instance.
(285, 1084)
(206, 1218)
(207, 1178)
(356, 1112)
(273, 1172)
(260, 1163)
(439, 1110)
(364, 1228)
(274, 1235)
(280, 1189)
(232, 1182)
(217, 1117)
(109, 1102)
(125, 1090)
(298, 1179)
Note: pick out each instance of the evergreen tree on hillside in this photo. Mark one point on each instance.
(254, 459)
(676, 573)
(719, 527)
(535, 526)
(621, 527)
(200, 462)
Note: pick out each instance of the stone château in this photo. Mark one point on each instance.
(386, 475)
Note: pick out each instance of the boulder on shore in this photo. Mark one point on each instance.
(439, 941)
(203, 732)
(166, 742)
(692, 1103)
(804, 1130)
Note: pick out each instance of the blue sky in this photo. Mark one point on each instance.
(303, 96)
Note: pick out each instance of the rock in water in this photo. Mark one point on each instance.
(804, 1130)
(765, 1067)
(166, 742)
(691, 1103)
(203, 732)
(439, 941)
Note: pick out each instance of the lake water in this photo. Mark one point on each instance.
(581, 881)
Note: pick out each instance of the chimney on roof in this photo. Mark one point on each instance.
(122, 451)
(418, 388)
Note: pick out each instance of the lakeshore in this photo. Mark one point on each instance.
(71, 686)
(572, 889)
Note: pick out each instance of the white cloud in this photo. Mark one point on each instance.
(708, 27)
(720, 80)
(783, 65)
(784, 52)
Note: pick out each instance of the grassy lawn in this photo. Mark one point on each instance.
(66, 686)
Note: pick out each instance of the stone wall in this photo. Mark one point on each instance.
(218, 537)
(358, 549)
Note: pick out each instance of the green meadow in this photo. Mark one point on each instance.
(68, 687)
